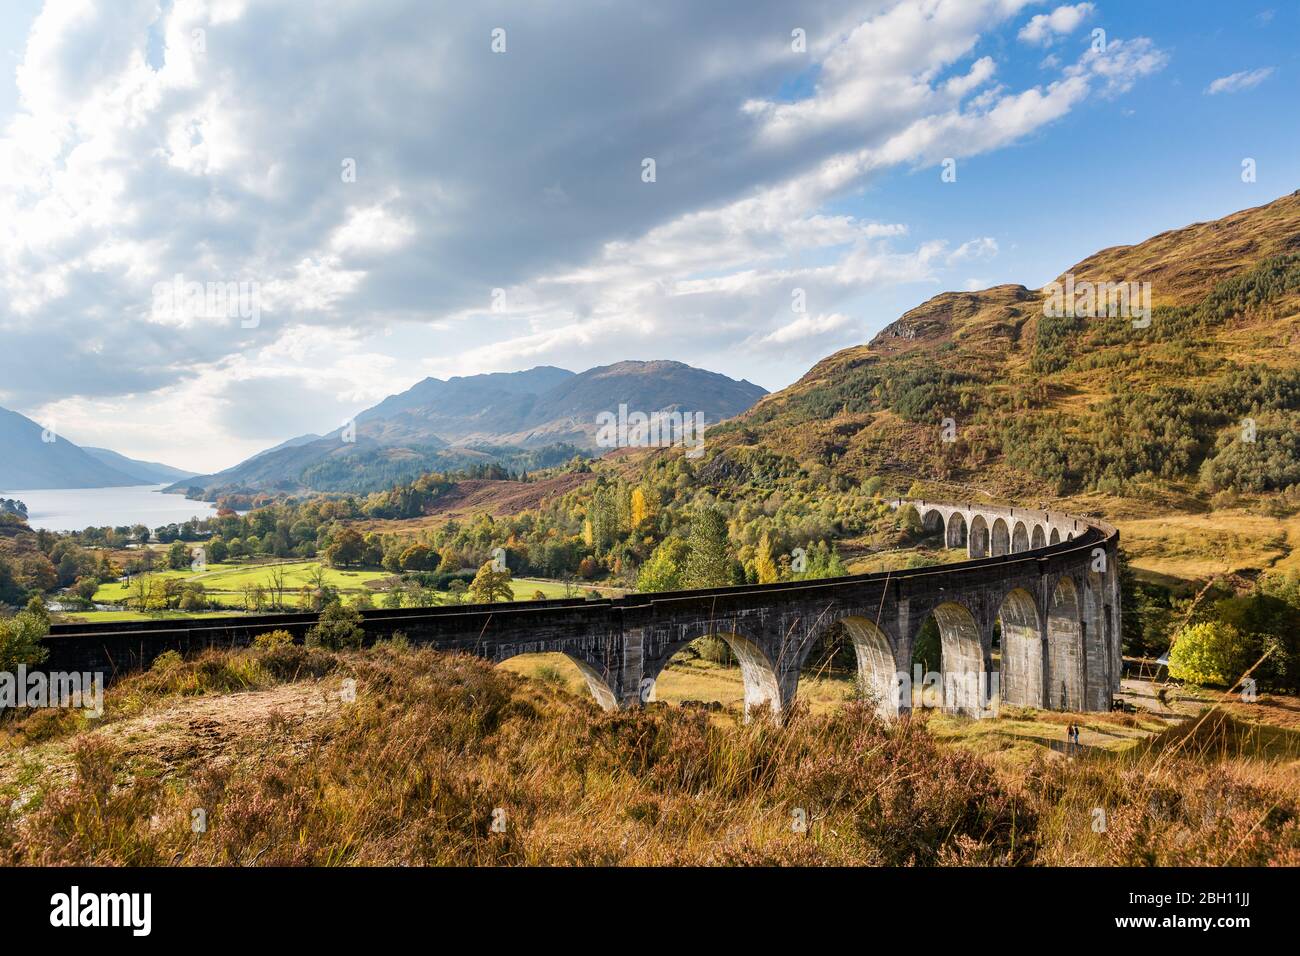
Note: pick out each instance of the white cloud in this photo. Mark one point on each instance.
(371, 230)
(1046, 27)
(1120, 64)
(474, 172)
(805, 327)
(985, 247)
(1236, 82)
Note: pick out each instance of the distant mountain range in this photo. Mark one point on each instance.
(32, 458)
(154, 473)
(529, 419)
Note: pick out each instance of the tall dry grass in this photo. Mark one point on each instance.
(442, 759)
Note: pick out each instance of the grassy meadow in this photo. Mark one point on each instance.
(225, 583)
(1184, 549)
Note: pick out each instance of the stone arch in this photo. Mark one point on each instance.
(956, 537)
(1021, 668)
(762, 689)
(877, 666)
(1000, 538)
(977, 545)
(962, 654)
(595, 680)
(932, 522)
(1019, 538)
(1064, 648)
(1054, 537)
(1039, 539)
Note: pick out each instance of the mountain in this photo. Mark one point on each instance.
(28, 460)
(462, 410)
(521, 420)
(153, 473)
(568, 412)
(1004, 391)
(465, 405)
(287, 443)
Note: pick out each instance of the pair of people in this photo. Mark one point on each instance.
(1072, 735)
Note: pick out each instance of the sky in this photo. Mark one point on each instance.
(367, 193)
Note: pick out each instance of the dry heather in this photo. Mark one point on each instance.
(435, 748)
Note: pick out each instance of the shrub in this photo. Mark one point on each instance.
(166, 661)
(713, 649)
(908, 520)
(1212, 653)
(550, 674)
(339, 627)
(291, 662)
(397, 641)
(272, 639)
(20, 637)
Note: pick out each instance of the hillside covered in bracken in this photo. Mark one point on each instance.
(1054, 407)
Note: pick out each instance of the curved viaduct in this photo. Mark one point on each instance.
(1045, 583)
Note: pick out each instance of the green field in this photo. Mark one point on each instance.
(104, 617)
(224, 585)
(524, 588)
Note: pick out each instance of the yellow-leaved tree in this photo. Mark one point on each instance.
(764, 564)
(491, 585)
(645, 504)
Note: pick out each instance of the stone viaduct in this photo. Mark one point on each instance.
(1036, 604)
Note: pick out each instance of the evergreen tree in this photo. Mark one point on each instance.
(709, 563)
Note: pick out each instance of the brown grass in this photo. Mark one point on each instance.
(1175, 548)
(436, 747)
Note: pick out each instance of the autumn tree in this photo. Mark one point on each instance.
(645, 507)
(416, 558)
(491, 585)
(764, 563)
(666, 566)
(347, 548)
